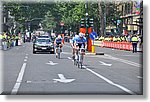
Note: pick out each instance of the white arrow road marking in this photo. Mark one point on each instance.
(63, 79)
(51, 63)
(105, 64)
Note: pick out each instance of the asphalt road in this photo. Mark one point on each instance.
(116, 72)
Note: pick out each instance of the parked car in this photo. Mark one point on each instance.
(44, 45)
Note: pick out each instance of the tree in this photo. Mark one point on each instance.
(48, 22)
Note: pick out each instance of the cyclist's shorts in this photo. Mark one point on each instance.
(80, 44)
(57, 44)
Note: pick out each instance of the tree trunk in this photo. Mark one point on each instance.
(101, 14)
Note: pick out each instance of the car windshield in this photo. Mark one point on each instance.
(43, 37)
(44, 40)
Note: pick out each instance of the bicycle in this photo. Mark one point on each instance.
(79, 55)
(58, 51)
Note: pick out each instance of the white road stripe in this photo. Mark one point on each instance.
(139, 77)
(19, 80)
(69, 57)
(110, 82)
(25, 60)
(26, 57)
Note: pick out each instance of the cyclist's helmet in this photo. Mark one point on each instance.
(81, 35)
(59, 36)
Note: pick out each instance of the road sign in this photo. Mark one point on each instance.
(93, 35)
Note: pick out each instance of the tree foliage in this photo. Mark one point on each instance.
(68, 12)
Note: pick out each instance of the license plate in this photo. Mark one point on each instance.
(44, 48)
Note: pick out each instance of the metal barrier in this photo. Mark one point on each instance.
(117, 45)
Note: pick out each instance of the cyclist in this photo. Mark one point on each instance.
(58, 43)
(72, 42)
(80, 44)
(81, 40)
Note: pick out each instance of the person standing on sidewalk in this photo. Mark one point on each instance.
(17, 38)
(134, 41)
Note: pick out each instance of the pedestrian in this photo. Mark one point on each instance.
(134, 41)
(17, 38)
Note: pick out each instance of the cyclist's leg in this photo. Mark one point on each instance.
(76, 52)
(56, 49)
(73, 53)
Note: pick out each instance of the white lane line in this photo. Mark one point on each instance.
(19, 80)
(110, 82)
(70, 58)
(26, 57)
(25, 60)
(139, 77)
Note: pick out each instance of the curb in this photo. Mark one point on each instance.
(97, 53)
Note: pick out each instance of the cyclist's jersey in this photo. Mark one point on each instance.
(80, 42)
(73, 40)
(58, 41)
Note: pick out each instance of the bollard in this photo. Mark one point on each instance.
(93, 49)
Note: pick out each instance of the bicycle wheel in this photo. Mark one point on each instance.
(78, 64)
(74, 61)
(58, 55)
(81, 65)
(81, 61)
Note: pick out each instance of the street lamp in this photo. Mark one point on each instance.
(86, 14)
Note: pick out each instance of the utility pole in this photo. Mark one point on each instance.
(101, 14)
(86, 25)
(104, 19)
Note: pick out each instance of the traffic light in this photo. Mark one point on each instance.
(82, 23)
(87, 22)
(91, 23)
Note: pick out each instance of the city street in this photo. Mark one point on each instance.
(115, 72)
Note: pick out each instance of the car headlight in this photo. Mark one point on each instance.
(35, 45)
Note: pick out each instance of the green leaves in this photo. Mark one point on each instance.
(48, 22)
